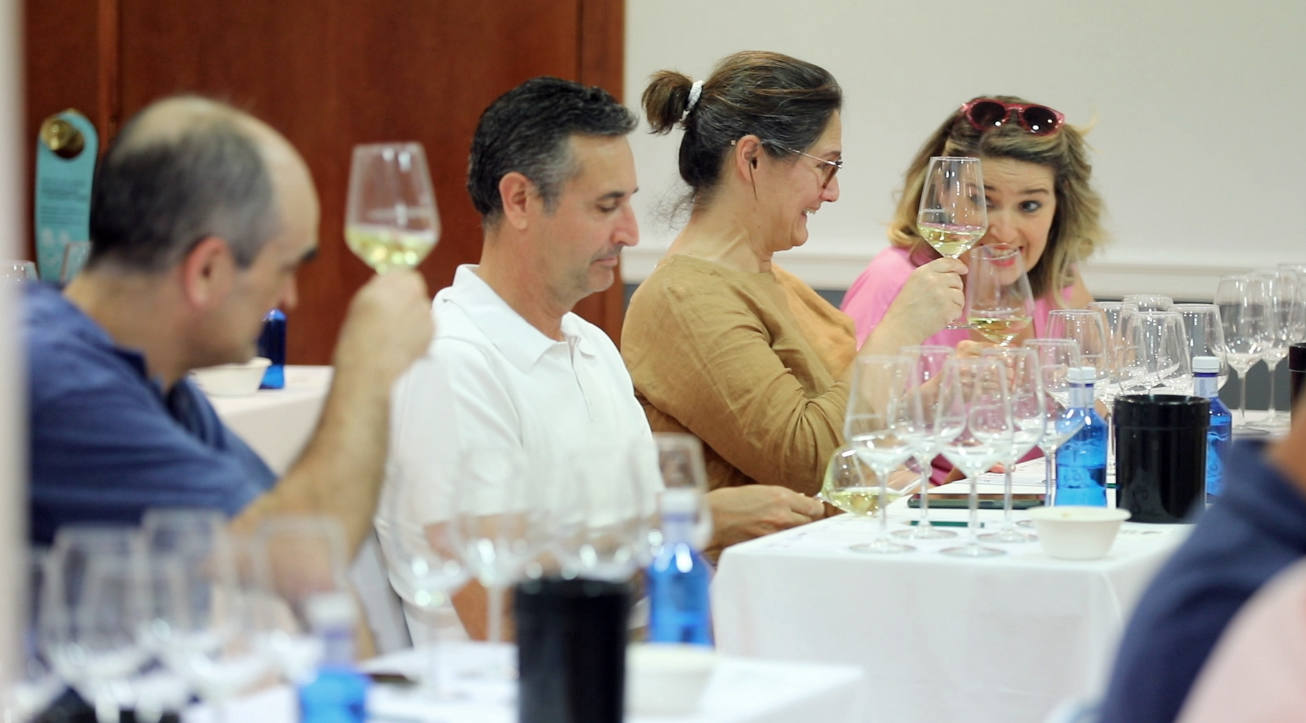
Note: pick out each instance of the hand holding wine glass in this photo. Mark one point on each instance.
(953, 213)
(391, 220)
(999, 303)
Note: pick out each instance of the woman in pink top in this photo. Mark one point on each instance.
(1040, 199)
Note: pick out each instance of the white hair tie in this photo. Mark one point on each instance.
(695, 92)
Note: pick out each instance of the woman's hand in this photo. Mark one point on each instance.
(932, 297)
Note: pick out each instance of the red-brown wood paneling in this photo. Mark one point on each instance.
(330, 75)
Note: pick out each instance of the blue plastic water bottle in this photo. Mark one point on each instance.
(338, 692)
(1206, 383)
(272, 344)
(1081, 461)
(678, 578)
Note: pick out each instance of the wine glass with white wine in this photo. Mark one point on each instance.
(391, 220)
(953, 213)
(999, 304)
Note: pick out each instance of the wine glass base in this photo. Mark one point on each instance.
(924, 532)
(1008, 535)
(973, 550)
(881, 545)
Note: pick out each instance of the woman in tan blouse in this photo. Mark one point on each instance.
(720, 342)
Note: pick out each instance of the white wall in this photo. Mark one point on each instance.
(1197, 108)
(12, 458)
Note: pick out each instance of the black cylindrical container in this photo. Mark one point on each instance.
(571, 650)
(1161, 455)
(1296, 372)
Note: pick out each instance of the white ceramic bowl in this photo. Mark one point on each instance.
(666, 678)
(228, 380)
(1072, 532)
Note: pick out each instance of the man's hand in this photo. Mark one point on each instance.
(742, 513)
(387, 328)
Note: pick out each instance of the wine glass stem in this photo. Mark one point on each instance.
(1047, 476)
(973, 504)
(884, 506)
(925, 494)
(1242, 398)
(494, 626)
(1269, 406)
(432, 681)
(1006, 496)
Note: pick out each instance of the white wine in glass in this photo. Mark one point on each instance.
(999, 304)
(391, 220)
(953, 214)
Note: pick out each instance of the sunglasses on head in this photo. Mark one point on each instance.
(988, 113)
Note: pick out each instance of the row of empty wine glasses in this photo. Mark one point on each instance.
(497, 518)
(976, 412)
(143, 618)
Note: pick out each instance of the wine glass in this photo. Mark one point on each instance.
(926, 363)
(75, 254)
(304, 559)
(1282, 294)
(424, 566)
(975, 428)
(1243, 311)
(499, 522)
(18, 271)
(215, 633)
(851, 485)
(1028, 422)
(1297, 323)
(883, 411)
(1110, 311)
(1056, 357)
(34, 685)
(953, 212)
(603, 513)
(1147, 302)
(1088, 328)
(1154, 354)
(999, 304)
(391, 220)
(1205, 334)
(91, 613)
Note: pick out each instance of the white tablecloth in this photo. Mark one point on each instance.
(277, 422)
(740, 691)
(940, 638)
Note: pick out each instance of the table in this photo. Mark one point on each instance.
(939, 638)
(277, 422)
(741, 691)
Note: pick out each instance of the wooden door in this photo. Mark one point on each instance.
(329, 75)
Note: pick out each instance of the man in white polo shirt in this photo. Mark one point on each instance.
(551, 174)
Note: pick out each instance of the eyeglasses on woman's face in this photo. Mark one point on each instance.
(827, 168)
